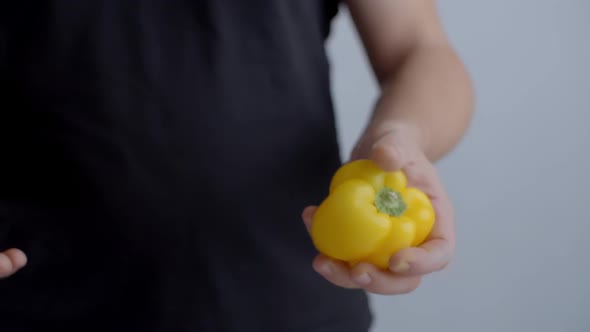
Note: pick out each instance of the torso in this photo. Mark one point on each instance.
(157, 156)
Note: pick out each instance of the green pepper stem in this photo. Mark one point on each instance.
(390, 202)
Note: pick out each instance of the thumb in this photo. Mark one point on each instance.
(391, 152)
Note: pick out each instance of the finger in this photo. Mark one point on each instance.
(422, 174)
(437, 252)
(378, 281)
(432, 256)
(335, 272)
(307, 216)
(394, 150)
(11, 261)
(444, 225)
(388, 154)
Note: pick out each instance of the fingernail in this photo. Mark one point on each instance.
(363, 279)
(402, 266)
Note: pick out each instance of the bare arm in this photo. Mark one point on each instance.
(424, 84)
(423, 111)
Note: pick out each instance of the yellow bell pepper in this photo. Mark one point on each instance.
(370, 214)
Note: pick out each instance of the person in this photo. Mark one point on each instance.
(161, 159)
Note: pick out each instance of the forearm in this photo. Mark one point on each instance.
(429, 91)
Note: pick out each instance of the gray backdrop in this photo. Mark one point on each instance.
(520, 178)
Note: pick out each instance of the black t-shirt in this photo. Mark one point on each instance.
(155, 159)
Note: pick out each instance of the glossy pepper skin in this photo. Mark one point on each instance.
(370, 214)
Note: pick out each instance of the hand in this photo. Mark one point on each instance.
(393, 150)
(11, 261)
